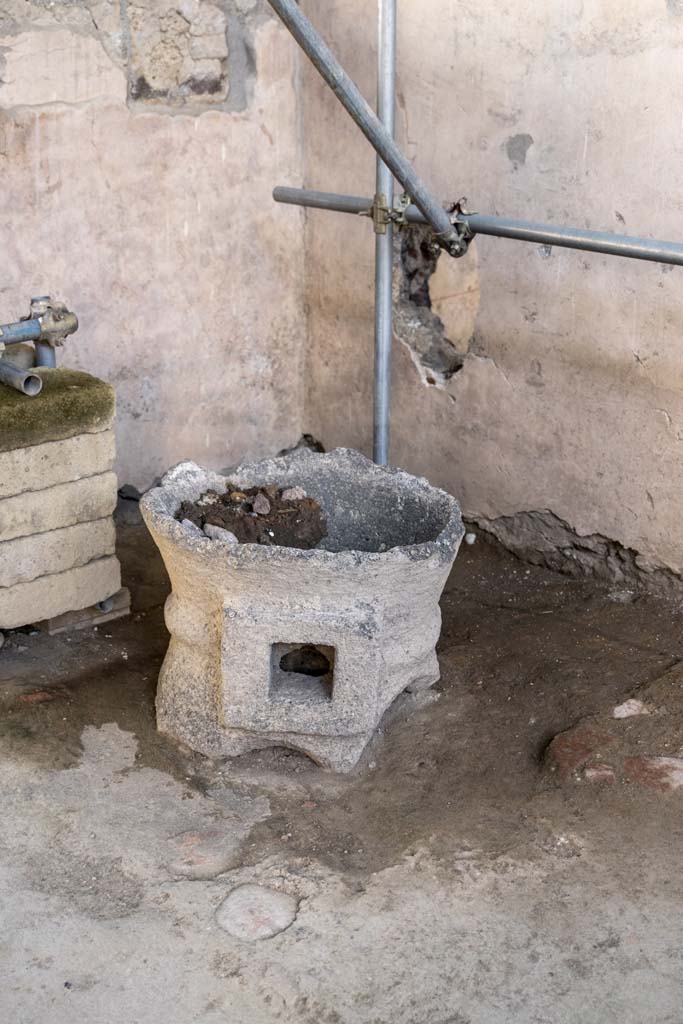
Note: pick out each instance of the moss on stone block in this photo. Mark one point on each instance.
(70, 403)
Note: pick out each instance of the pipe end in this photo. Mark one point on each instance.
(33, 385)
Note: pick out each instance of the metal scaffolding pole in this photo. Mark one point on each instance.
(502, 227)
(357, 106)
(384, 233)
(452, 231)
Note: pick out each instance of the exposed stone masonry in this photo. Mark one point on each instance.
(173, 53)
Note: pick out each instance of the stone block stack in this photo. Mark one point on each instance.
(57, 496)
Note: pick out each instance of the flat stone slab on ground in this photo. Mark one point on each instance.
(35, 467)
(202, 854)
(255, 912)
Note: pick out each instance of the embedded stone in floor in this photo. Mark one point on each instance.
(255, 912)
(39, 696)
(202, 854)
(629, 708)
(631, 742)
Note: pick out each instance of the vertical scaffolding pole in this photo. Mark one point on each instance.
(384, 200)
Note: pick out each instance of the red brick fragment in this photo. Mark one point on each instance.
(38, 697)
(573, 748)
(663, 774)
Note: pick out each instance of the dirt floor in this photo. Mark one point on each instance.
(457, 877)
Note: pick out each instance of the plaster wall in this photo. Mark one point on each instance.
(139, 143)
(570, 396)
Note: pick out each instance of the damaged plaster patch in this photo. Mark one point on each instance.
(56, 65)
(542, 538)
(517, 147)
(191, 54)
(416, 322)
(97, 19)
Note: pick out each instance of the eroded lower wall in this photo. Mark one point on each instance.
(570, 395)
(139, 143)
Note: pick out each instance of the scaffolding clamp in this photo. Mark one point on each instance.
(458, 216)
(381, 214)
(398, 214)
(55, 320)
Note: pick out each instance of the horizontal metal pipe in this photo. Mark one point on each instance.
(502, 227)
(26, 381)
(576, 238)
(25, 330)
(362, 113)
(326, 201)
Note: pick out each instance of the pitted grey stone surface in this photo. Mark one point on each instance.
(370, 592)
(218, 533)
(256, 912)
